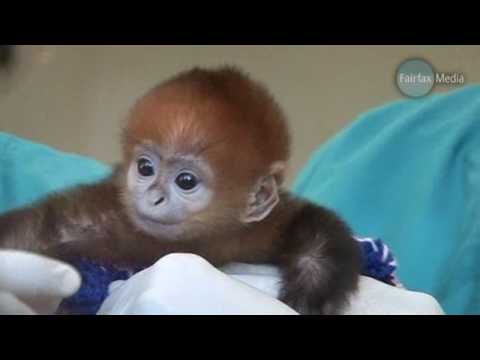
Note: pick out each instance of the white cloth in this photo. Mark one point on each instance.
(33, 284)
(188, 284)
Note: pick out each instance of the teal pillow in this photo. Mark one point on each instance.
(409, 172)
(30, 171)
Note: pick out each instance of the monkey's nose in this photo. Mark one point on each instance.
(159, 201)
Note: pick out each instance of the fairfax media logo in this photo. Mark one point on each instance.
(416, 78)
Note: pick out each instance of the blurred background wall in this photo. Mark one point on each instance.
(75, 98)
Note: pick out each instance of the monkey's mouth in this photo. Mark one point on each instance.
(151, 220)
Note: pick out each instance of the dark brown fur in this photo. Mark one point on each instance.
(236, 124)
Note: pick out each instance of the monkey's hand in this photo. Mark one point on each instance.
(34, 284)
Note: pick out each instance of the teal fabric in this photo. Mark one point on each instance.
(409, 172)
(30, 171)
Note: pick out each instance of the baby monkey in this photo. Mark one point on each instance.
(204, 160)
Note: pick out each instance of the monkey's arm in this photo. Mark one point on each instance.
(23, 229)
(85, 213)
(319, 259)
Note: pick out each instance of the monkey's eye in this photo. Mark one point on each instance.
(145, 167)
(186, 181)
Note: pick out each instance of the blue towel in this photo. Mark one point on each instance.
(409, 173)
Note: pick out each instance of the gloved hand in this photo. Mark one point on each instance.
(188, 284)
(34, 284)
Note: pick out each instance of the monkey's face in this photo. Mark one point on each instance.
(165, 190)
(203, 155)
(172, 195)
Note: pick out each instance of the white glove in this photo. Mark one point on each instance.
(34, 284)
(377, 298)
(188, 284)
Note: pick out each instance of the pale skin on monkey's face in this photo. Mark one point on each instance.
(167, 188)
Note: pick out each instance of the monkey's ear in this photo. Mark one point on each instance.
(265, 195)
(277, 169)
